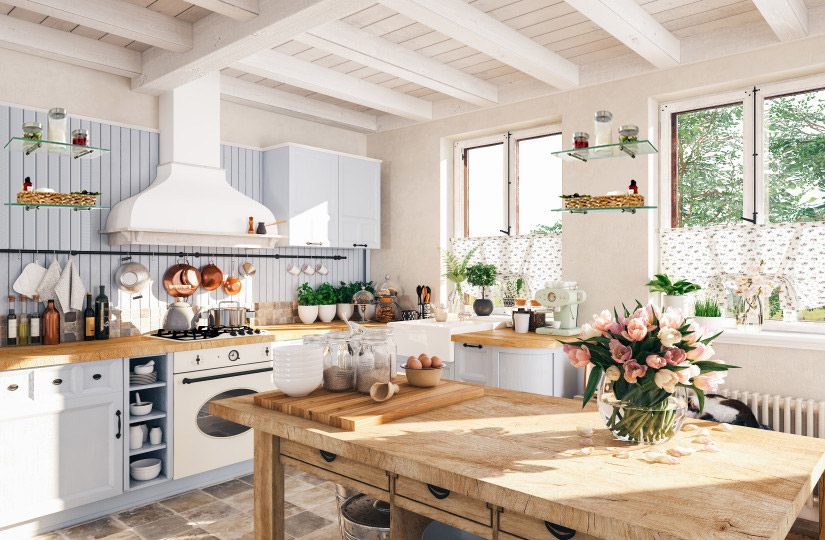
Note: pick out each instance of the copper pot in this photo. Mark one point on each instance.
(232, 285)
(181, 280)
(211, 277)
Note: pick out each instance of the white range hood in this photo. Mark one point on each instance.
(190, 203)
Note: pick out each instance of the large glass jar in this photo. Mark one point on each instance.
(339, 362)
(364, 304)
(602, 128)
(59, 125)
(376, 359)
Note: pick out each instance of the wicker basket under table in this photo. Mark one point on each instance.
(66, 199)
(605, 201)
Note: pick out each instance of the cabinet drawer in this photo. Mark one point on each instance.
(444, 500)
(521, 526)
(100, 377)
(337, 464)
(15, 388)
(53, 381)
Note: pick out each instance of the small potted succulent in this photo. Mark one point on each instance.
(482, 276)
(307, 304)
(343, 298)
(708, 314)
(511, 291)
(673, 293)
(326, 297)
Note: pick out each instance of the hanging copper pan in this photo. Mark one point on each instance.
(181, 280)
(232, 285)
(211, 276)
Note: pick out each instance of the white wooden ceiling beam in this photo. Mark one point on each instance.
(54, 44)
(260, 96)
(240, 10)
(787, 18)
(464, 23)
(117, 17)
(359, 46)
(219, 41)
(291, 70)
(628, 22)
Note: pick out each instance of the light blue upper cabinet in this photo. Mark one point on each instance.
(330, 200)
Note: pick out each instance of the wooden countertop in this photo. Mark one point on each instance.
(86, 351)
(507, 337)
(521, 452)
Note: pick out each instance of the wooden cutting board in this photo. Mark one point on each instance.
(353, 411)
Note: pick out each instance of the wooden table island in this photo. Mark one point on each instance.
(509, 465)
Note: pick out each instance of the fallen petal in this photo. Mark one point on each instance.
(668, 460)
(703, 440)
(723, 427)
(709, 448)
(687, 428)
(585, 431)
(680, 451)
(653, 456)
(623, 455)
(587, 450)
(703, 431)
(586, 441)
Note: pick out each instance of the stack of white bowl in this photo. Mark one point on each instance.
(298, 369)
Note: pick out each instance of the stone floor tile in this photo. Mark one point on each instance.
(310, 497)
(304, 523)
(187, 501)
(291, 471)
(99, 528)
(328, 509)
(49, 536)
(244, 501)
(163, 528)
(290, 509)
(142, 515)
(231, 528)
(124, 535)
(294, 484)
(310, 479)
(249, 479)
(330, 532)
(209, 513)
(227, 489)
(194, 534)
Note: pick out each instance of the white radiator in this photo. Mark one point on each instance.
(788, 415)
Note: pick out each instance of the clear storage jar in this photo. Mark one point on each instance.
(602, 128)
(339, 362)
(376, 359)
(59, 125)
(628, 133)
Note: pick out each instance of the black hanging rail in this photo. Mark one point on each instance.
(180, 254)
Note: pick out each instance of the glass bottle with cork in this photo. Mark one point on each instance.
(34, 323)
(102, 315)
(11, 337)
(51, 325)
(23, 323)
(89, 318)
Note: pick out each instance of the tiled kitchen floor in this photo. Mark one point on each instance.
(222, 511)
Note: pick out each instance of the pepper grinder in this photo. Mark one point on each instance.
(251, 229)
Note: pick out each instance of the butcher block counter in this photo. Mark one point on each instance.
(32, 356)
(509, 465)
(507, 337)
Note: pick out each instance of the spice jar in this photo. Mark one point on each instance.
(59, 125)
(581, 139)
(602, 128)
(339, 362)
(32, 131)
(80, 137)
(628, 133)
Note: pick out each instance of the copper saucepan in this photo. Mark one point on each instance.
(232, 285)
(211, 276)
(181, 280)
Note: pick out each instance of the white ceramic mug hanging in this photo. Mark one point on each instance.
(321, 269)
(308, 270)
(293, 269)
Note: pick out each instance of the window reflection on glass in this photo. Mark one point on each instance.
(794, 156)
(484, 191)
(539, 184)
(707, 159)
(218, 427)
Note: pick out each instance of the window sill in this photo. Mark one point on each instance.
(771, 338)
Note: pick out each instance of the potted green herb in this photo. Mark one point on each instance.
(482, 275)
(708, 314)
(325, 295)
(307, 304)
(455, 270)
(343, 298)
(673, 292)
(510, 290)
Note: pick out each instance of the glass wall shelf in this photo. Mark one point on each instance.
(72, 206)
(31, 146)
(629, 209)
(631, 149)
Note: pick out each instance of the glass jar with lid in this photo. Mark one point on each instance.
(628, 133)
(376, 358)
(59, 125)
(581, 139)
(339, 361)
(388, 293)
(602, 128)
(80, 137)
(32, 131)
(364, 302)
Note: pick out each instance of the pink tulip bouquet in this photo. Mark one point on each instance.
(643, 364)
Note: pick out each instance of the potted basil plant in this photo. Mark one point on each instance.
(307, 304)
(343, 297)
(483, 276)
(673, 293)
(325, 294)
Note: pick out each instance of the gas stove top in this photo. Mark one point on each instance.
(207, 333)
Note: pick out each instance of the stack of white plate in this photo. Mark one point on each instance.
(149, 378)
(298, 369)
(145, 469)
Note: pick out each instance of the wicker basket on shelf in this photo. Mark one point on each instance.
(604, 201)
(67, 199)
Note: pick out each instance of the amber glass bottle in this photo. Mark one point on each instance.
(51, 325)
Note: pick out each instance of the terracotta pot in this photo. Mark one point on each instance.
(211, 277)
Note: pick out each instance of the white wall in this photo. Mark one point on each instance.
(610, 255)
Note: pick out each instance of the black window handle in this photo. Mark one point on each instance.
(472, 346)
(359, 245)
(562, 533)
(438, 493)
(329, 457)
(97, 376)
(119, 425)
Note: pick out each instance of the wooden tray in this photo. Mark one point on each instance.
(353, 411)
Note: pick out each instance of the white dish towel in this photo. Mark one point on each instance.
(29, 279)
(69, 289)
(46, 287)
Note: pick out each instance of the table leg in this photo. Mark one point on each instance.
(269, 487)
(404, 525)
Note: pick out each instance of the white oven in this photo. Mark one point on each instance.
(204, 442)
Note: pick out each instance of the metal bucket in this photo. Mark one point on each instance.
(365, 518)
(342, 495)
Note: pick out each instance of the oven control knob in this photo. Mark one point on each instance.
(198, 360)
(233, 355)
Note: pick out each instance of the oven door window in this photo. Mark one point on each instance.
(218, 427)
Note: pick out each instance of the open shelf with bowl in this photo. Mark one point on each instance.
(148, 378)
(631, 149)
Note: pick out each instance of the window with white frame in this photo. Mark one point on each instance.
(743, 181)
(507, 183)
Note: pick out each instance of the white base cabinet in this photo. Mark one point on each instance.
(540, 371)
(62, 434)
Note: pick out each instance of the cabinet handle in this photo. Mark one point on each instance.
(57, 382)
(329, 457)
(472, 346)
(359, 245)
(315, 243)
(119, 425)
(562, 533)
(438, 493)
(97, 376)
(13, 387)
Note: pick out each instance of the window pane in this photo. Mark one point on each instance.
(707, 162)
(486, 202)
(795, 157)
(539, 185)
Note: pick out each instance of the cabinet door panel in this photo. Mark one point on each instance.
(529, 371)
(359, 200)
(476, 365)
(313, 198)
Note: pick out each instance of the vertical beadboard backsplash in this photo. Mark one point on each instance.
(128, 169)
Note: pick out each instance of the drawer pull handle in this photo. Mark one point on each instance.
(57, 382)
(470, 345)
(13, 387)
(562, 533)
(438, 493)
(359, 245)
(97, 376)
(315, 243)
(329, 457)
